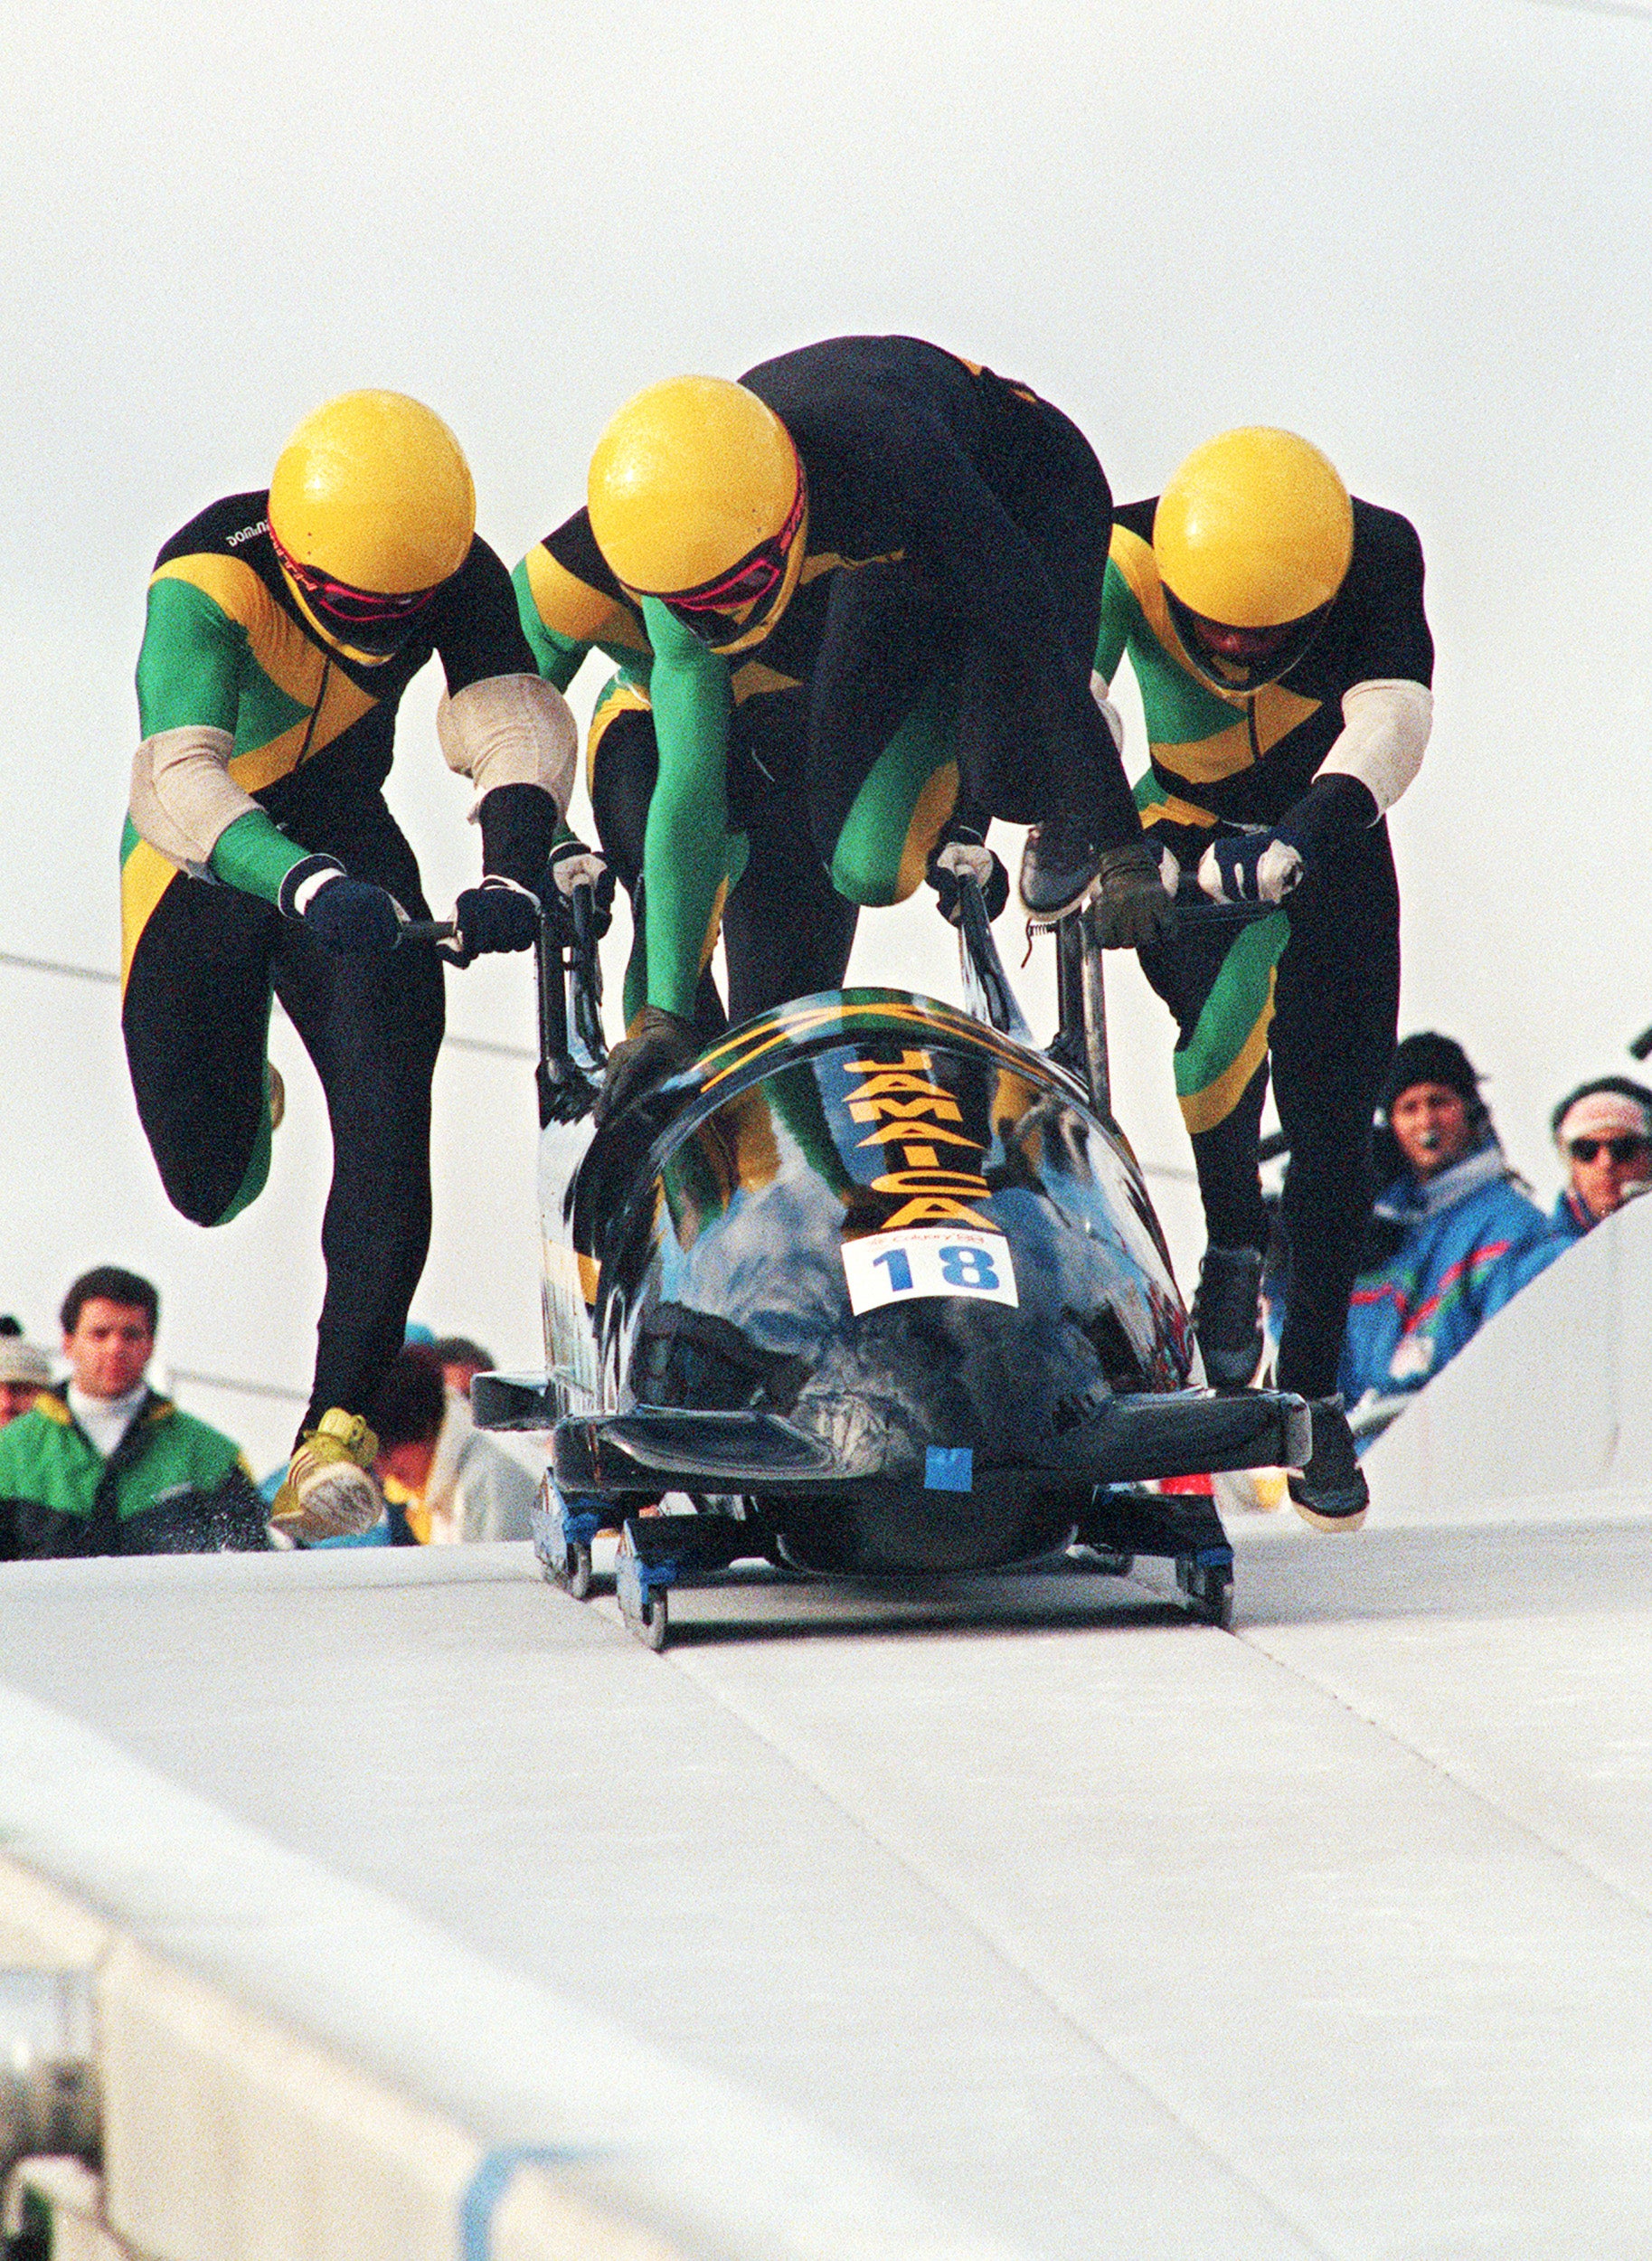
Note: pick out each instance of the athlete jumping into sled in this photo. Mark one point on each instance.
(260, 859)
(869, 576)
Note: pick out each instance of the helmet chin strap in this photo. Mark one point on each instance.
(1204, 665)
(1234, 674)
(330, 636)
(1246, 678)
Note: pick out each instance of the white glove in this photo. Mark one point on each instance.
(583, 870)
(967, 859)
(1109, 713)
(1252, 868)
(573, 865)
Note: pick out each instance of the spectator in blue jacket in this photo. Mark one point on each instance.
(1449, 1232)
(1604, 1133)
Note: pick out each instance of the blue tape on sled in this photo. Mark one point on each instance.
(948, 1468)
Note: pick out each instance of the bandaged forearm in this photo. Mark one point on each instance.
(184, 798)
(1385, 729)
(509, 730)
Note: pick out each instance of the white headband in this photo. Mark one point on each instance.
(1602, 1115)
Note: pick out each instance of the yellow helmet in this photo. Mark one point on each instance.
(372, 509)
(1253, 535)
(698, 497)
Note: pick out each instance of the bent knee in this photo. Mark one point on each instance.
(871, 869)
(210, 1182)
(871, 882)
(209, 1197)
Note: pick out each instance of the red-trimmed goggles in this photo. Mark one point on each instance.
(744, 598)
(365, 617)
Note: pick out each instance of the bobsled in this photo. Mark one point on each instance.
(873, 1290)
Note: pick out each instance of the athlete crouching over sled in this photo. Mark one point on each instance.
(260, 858)
(1275, 628)
(866, 579)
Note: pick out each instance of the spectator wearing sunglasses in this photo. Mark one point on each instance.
(261, 859)
(1451, 1236)
(1603, 1131)
(857, 594)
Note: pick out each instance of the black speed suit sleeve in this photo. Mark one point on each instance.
(1378, 632)
(478, 629)
(1388, 632)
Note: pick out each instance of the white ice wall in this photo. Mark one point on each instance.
(1550, 1401)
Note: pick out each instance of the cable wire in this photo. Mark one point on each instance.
(112, 980)
(176, 1373)
(1599, 7)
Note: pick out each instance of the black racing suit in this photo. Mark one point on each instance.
(226, 647)
(936, 650)
(1314, 988)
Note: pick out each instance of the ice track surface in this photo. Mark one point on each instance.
(1105, 1934)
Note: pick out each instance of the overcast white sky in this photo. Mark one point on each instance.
(1417, 233)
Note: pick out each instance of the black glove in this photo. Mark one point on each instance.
(496, 916)
(660, 1044)
(573, 864)
(1132, 911)
(962, 851)
(349, 916)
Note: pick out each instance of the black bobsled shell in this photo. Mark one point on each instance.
(720, 1245)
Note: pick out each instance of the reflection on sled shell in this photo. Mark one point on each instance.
(930, 1432)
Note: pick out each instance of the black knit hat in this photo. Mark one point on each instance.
(1429, 1058)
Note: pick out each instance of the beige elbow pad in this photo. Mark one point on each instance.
(1385, 729)
(510, 730)
(183, 798)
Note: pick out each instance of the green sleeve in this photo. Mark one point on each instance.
(255, 855)
(192, 671)
(193, 661)
(1118, 608)
(558, 658)
(686, 847)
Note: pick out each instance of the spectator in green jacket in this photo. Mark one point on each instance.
(107, 1466)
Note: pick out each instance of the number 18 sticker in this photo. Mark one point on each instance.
(927, 1260)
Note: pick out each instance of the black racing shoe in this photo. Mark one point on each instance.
(1227, 1317)
(1331, 1490)
(1058, 867)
